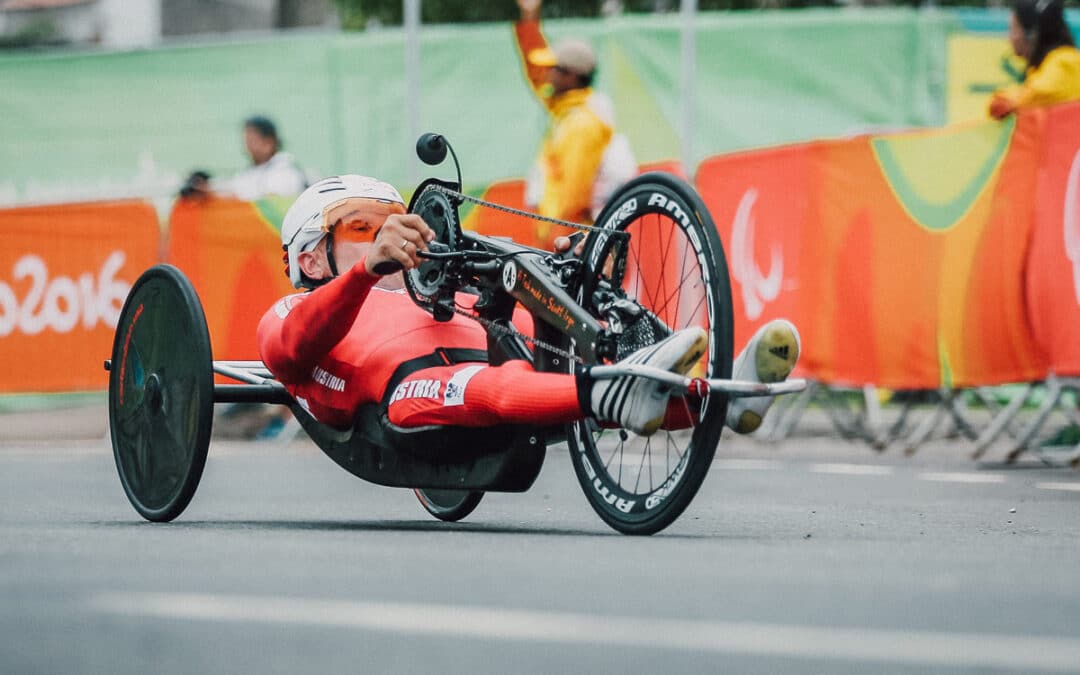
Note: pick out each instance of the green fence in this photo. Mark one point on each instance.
(88, 125)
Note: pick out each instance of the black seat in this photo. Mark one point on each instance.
(504, 458)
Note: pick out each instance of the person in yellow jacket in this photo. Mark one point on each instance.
(582, 160)
(1040, 36)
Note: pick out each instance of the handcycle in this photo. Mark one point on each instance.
(652, 264)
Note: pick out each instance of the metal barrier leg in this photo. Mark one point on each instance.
(872, 406)
(885, 437)
(1053, 396)
(987, 397)
(1000, 421)
(924, 429)
(958, 412)
(850, 423)
(792, 413)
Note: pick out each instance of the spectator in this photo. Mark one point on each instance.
(272, 172)
(1040, 36)
(582, 159)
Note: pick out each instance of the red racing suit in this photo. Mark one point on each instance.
(337, 347)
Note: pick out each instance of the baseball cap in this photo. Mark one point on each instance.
(575, 56)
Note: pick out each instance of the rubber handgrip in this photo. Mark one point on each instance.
(387, 267)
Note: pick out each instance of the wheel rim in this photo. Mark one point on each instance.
(633, 481)
(664, 273)
(161, 394)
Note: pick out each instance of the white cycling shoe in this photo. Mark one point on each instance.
(770, 356)
(637, 403)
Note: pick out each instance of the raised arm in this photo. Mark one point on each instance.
(528, 37)
(1055, 81)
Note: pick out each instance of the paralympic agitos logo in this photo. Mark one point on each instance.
(757, 289)
(1071, 221)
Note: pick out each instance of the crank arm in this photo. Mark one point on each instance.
(699, 386)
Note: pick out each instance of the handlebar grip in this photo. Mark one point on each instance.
(387, 267)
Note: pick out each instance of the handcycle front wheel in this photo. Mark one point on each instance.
(449, 505)
(673, 265)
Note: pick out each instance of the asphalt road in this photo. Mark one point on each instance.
(813, 556)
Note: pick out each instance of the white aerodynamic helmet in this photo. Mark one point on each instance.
(323, 205)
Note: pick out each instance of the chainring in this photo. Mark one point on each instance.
(427, 283)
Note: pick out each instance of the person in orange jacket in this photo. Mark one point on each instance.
(582, 159)
(1040, 36)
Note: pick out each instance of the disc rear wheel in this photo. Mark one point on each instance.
(161, 393)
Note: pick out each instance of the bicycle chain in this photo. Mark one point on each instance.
(526, 214)
(509, 331)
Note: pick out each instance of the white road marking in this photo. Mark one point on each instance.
(1071, 487)
(961, 477)
(748, 464)
(962, 650)
(53, 451)
(852, 469)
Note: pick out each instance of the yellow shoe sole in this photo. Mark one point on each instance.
(776, 355)
(748, 422)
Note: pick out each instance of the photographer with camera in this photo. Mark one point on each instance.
(272, 172)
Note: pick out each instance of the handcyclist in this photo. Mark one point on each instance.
(357, 337)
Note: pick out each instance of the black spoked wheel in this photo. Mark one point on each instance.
(449, 505)
(673, 265)
(161, 393)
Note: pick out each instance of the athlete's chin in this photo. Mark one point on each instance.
(349, 253)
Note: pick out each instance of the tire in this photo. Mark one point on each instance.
(449, 505)
(673, 265)
(161, 394)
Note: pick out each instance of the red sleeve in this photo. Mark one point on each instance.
(528, 37)
(299, 330)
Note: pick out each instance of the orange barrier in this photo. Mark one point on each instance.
(231, 251)
(761, 212)
(901, 257)
(910, 261)
(65, 271)
(1053, 268)
(672, 166)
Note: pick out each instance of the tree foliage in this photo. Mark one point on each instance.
(40, 33)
